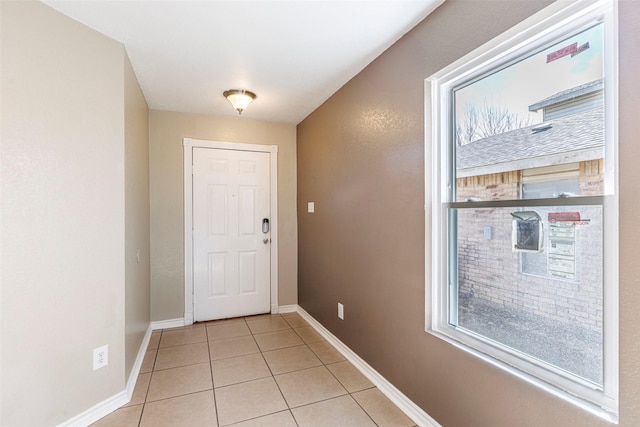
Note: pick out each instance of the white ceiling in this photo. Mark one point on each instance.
(293, 54)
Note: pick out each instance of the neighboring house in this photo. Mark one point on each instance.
(562, 156)
(573, 132)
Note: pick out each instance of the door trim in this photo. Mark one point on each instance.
(188, 145)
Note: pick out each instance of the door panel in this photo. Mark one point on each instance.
(231, 254)
(217, 205)
(216, 274)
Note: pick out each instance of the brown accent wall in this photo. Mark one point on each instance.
(360, 159)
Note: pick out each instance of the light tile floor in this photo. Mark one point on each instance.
(270, 370)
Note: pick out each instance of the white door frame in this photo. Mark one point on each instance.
(188, 145)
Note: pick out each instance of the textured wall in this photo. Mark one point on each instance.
(63, 194)
(629, 153)
(137, 271)
(167, 129)
(360, 158)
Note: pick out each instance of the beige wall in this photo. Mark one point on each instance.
(166, 131)
(63, 222)
(136, 168)
(360, 158)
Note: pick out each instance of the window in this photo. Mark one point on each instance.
(551, 181)
(523, 226)
(543, 183)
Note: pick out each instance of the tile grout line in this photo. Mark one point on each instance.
(295, 420)
(179, 395)
(360, 406)
(181, 345)
(251, 334)
(273, 377)
(325, 365)
(213, 386)
(153, 368)
(349, 393)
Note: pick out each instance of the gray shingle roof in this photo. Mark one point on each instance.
(571, 93)
(567, 134)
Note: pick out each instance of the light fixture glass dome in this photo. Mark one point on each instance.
(239, 98)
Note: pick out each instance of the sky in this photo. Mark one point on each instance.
(533, 79)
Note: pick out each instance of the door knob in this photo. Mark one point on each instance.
(265, 241)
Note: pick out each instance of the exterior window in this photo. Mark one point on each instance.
(543, 183)
(523, 226)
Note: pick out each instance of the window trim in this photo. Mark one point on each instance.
(549, 25)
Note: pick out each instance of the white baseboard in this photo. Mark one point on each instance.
(166, 324)
(98, 411)
(117, 401)
(288, 308)
(413, 411)
(137, 365)
(188, 319)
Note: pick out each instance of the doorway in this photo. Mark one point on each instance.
(230, 208)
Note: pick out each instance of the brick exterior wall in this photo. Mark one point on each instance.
(487, 263)
(497, 186)
(591, 178)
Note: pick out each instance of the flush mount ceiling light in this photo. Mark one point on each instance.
(239, 98)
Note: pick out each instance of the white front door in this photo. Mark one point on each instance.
(231, 233)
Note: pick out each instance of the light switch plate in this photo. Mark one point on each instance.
(311, 207)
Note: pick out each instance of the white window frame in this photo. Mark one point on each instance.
(542, 29)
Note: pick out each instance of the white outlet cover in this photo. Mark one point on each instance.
(311, 207)
(100, 357)
(340, 311)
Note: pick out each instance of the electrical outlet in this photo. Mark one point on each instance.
(100, 357)
(340, 311)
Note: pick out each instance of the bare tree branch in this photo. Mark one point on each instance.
(489, 120)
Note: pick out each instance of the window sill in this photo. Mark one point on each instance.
(531, 379)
